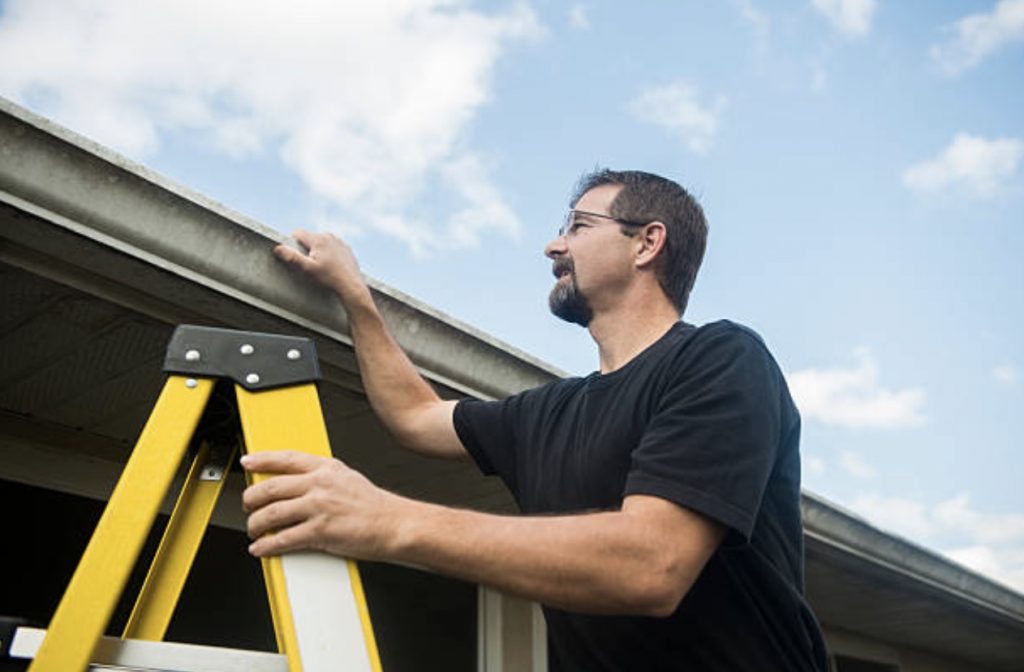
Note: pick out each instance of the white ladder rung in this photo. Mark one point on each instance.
(137, 654)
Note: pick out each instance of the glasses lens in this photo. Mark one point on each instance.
(567, 224)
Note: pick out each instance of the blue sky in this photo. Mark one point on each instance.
(859, 161)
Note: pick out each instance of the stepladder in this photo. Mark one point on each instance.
(317, 604)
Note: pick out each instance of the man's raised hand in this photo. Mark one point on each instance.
(328, 260)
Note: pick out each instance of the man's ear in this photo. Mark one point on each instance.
(650, 242)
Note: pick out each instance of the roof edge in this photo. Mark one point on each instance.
(55, 174)
(837, 528)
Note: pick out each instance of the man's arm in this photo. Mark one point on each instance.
(641, 559)
(407, 405)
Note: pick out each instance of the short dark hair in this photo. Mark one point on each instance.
(646, 197)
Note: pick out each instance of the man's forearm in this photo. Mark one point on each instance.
(606, 562)
(641, 559)
(392, 383)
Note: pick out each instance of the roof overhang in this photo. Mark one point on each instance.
(863, 580)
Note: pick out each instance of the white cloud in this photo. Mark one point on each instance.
(989, 543)
(956, 514)
(578, 17)
(978, 35)
(754, 16)
(1006, 566)
(368, 103)
(853, 463)
(850, 17)
(853, 397)
(1006, 373)
(759, 21)
(483, 209)
(677, 107)
(975, 163)
(819, 77)
(901, 515)
(815, 465)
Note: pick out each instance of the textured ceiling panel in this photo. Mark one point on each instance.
(24, 295)
(65, 362)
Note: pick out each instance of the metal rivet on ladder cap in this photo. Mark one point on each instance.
(191, 382)
(192, 356)
(252, 378)
(294, 354)
(246, 349)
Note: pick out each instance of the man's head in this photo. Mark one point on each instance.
(635, 199)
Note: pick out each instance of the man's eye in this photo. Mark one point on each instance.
(576, 226)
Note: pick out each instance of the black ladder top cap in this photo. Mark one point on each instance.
(254, 360)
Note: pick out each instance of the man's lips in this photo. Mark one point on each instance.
(561, 269)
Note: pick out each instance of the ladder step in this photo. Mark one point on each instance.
(134, 654)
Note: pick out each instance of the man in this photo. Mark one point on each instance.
(668, 480)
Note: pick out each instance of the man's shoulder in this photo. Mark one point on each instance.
(721, 335)
(717, 348)
(554, 389)
(726, 328)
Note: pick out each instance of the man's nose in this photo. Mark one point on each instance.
(555, 248)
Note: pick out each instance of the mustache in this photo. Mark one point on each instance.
(562, 265)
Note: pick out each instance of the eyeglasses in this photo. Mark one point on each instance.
(570, 225)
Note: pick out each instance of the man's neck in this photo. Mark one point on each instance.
(624, 333)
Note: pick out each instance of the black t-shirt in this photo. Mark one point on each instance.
(701, 418)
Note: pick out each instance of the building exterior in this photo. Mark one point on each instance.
(100, 259)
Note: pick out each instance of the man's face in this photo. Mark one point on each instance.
(587, 258)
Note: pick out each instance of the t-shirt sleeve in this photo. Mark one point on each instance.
(712, 440)
(488, 431)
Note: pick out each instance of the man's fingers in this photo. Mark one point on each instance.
(293, 257)
(282, 462)
(296, 538)
(286, 252)
(276, 517)
(305, 238)
(280, 487)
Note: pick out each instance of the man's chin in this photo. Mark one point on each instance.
(567, 304)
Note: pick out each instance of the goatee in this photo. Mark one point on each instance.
(566, 300)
